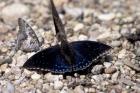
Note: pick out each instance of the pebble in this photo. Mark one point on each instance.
(35, 76)
(122, 53)
(65, 90)
(10, 87)
(74, 12)
(11, 12)
(21, 60)
(137, 52)
(78, 27)
(106, 35)
(125, 32)
(110, 70)
(133, 66)
(51, 78)
(115, 35)
(83, 37)
(107, 64)
(106, 17)
(98, 69)
(115, 43)
(45, 87)
(38, 91)
(58, 85)
(4, 49)
(59, 3)
(3, 67)
(79, 89)
(27, 73)
(97, 78)
(115, 76)
(5, 60)
(91, 90)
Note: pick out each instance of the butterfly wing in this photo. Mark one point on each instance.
(49, 59)
(87, 52)
(52, 60)
(26, 38)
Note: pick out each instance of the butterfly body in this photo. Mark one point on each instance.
(51, 59)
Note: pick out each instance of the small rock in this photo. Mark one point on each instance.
(58, 85)
(45, 87)
(137, 51)
(97, 78)
(75, 12)
(4, 60)
(98, 69)
(110, 70)
(112, 91)
(21, 60)
(4, 49)
(126, 81)
(106, 17)
(125, 32)
(79, 89)
(82, 77)
(107, 64)
(65, 90)
(91, 90)
(115, 35)
(10, 88)
(106, 35)
(27, 73)
(18, 81)
(51, 78)
(78, 27)
(115, 76)
(38, 91)
(12, 12)
(83, 37)
(36, 76)
(122, 53)
(133, 66)
(3, 67)
(115, 43)
(59, 3)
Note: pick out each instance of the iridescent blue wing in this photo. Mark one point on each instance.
(87, 52)
(51, 59)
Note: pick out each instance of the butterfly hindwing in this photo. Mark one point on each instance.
(87, 52)
(52, 60)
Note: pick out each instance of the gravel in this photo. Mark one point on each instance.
(11, 12)
(115, 23)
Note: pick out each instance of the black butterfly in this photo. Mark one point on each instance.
(26, 38)
(66, 57)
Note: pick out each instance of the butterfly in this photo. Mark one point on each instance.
(26, 38)
(66, 57)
